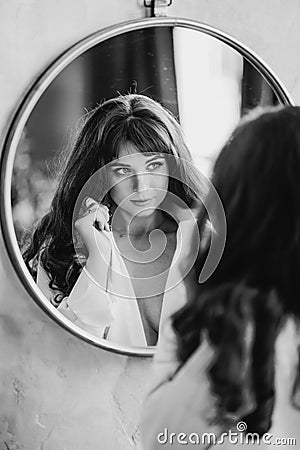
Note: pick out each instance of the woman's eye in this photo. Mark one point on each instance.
(122, 171)
(154, 165)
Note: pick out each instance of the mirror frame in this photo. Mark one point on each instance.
(21, 116)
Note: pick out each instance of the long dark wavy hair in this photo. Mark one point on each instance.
(129, 118)
(256, 285)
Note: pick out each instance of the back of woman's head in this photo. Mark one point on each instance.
(257, 178)
(256, 283)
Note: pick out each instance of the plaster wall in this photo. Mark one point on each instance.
(56, 391)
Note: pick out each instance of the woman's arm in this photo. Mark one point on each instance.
(88, 305)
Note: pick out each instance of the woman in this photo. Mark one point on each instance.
(231, 351)
(128, 174)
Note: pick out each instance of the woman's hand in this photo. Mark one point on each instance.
(89, 299)
(94, 229)
(95, 213)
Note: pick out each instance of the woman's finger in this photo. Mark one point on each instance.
(91, 204)
(101, 215)
(105, 211)
(91, 216)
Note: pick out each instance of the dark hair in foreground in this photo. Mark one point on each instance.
(257, 284)
(132, 118)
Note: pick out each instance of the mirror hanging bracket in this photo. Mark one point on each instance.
(158, 8)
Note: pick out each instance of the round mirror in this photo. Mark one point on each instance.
(205, 78)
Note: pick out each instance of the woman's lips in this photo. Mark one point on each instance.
(141, 202)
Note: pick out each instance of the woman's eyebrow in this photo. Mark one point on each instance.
(155, 157)
(117, 163)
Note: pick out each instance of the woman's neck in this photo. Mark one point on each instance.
(125, 224)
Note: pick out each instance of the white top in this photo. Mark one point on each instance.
(181, 400)
(113, 312)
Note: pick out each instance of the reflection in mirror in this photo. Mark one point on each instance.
(125, 182)
(207, 90)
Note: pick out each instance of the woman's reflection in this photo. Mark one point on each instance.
(128, 185)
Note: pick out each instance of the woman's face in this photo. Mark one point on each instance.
(139, 180)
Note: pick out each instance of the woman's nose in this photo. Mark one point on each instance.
(140, 182)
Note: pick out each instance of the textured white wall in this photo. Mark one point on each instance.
(57, 392)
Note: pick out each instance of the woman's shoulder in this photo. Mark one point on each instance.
(287, 352)
(286, 414)
(166, 355)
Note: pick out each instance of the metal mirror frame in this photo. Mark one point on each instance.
(21, 116)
